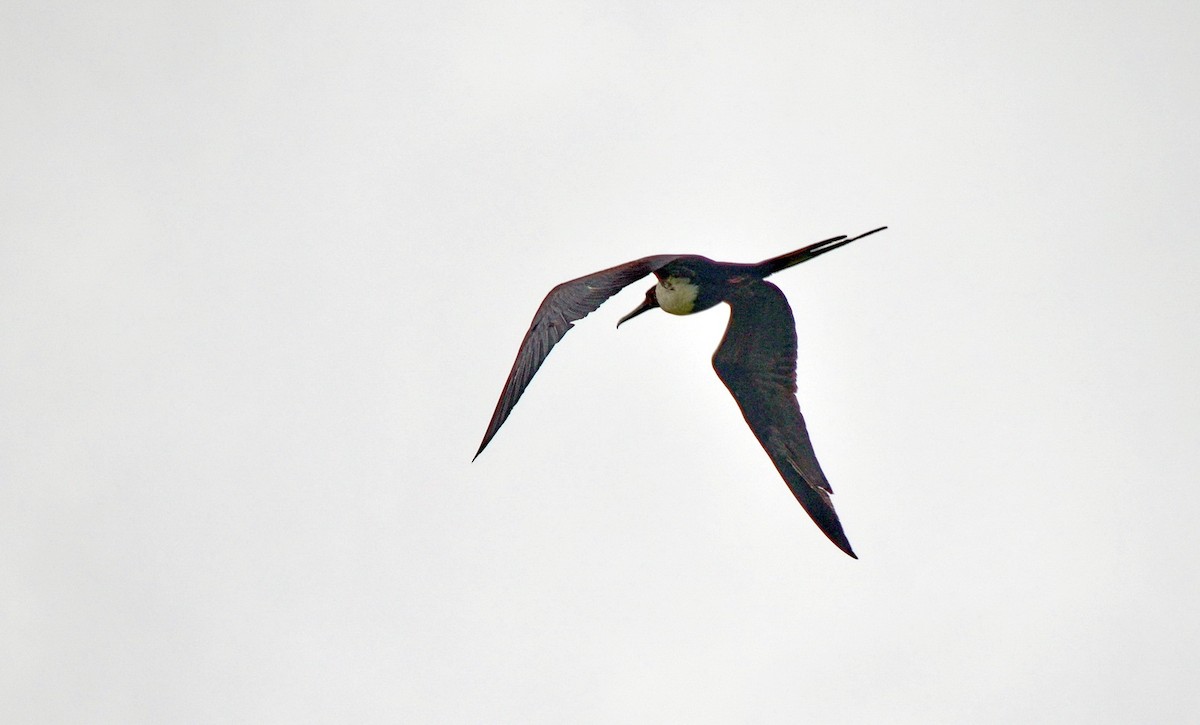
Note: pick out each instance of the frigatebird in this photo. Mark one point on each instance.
(756, 358)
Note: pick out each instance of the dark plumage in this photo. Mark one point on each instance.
(756, 358)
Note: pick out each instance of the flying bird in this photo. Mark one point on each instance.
(756, 358)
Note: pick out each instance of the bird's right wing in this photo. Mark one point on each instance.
(566, 303)
(757, 362)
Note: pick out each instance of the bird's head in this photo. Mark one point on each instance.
(649, 303)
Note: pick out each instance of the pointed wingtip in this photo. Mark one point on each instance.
(841, 542)
(831, 526)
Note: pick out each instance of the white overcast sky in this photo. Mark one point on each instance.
(265, 266)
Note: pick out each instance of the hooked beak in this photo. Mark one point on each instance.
(649, 303)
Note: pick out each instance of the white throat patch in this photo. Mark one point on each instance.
(676, 295)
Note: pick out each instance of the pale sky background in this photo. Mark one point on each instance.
(265, 266)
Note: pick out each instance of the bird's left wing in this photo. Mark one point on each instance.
(566, 303)
(757, 362)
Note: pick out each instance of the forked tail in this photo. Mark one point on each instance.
(783, 261)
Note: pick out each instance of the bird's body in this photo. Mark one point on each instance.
(678, 295)
(756, 359)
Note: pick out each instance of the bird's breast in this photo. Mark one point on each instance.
(677, 295)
